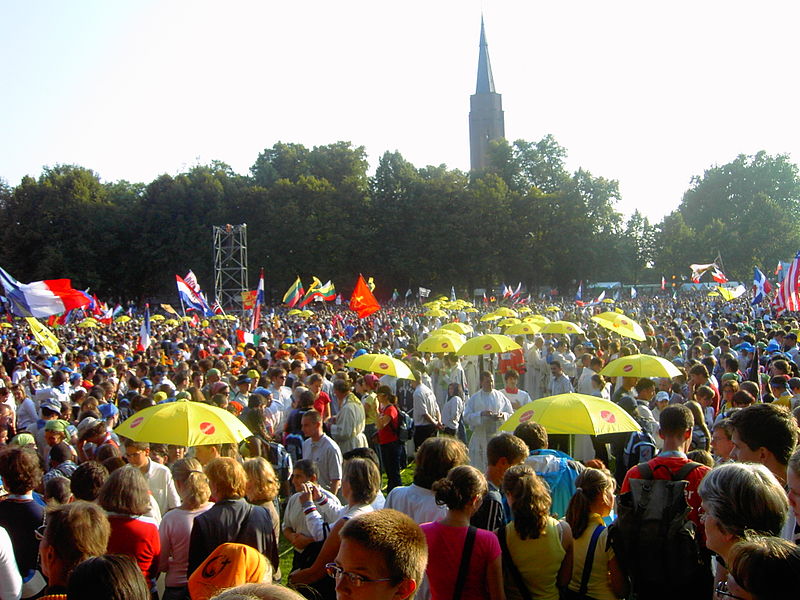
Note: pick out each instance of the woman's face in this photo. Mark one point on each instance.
(716, 539)
(383, 399)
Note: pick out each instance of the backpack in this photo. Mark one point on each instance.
(559, 475)
(654, 540)
(405, 426)
(641, 448)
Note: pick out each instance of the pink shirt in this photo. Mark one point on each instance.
(445, 547)
(174, 531)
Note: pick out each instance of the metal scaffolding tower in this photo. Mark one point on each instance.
(230, 265)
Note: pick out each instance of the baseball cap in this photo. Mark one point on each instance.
(662, 397)
(51, 404)
(108, 410)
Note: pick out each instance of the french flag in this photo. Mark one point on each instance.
(42, 298)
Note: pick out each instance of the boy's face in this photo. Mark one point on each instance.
(354, 558)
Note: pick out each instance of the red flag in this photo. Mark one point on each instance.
(788, 295)
(719, 276)
(663, 283)
(362, 301)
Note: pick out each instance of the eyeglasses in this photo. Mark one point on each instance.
(39, 532)
(356, 580)
(722, 591)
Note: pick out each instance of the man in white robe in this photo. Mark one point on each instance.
(485, 412)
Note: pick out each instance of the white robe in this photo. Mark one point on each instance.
(484, 428)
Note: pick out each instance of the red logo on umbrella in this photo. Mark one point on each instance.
(383, 365)
(608, 417)
(623, 321)
(627, 368)
(526, 416)
(207, 428)
(136, 422)
(487, 346)
(445, 345)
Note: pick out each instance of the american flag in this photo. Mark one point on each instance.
(788, 296)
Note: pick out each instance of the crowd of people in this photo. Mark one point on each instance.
(318, 484)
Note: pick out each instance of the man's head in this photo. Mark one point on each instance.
(305, 471)
(55, 432)
(386, 551)
(487, 381)
(311, 425)
(764, 434)
(676, 423)
(533, 434)
(504, 451)
(721, 443)
(206, 453)
(555, 368)
(511, 378)
(137, 453)
(645, 389)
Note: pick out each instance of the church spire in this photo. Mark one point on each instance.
(485, 80)
(486, 121)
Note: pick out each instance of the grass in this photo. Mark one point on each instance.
(285, 548)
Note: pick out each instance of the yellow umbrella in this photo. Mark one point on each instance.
(713, 294)
(490, 317)
(621, 324)
(640, 365)
(172, 322)
(524, 309)
(573, 414)
(441, 343)
(607, 300)
(488, 344)
(293, 312)
(90, 319)
(186, 319)
(461, 328)
(562, 327)
(87, 324)
(471, 309)
(552, 309)
(524, 329)
(443, 298)
(204, 323)
(537, 319)
(6, 325)
(307, 313)
(509, 321)
(380, 363)
(504, 311)
(184, 423)
(229, 317)
(122, 319)
(435, 312)
(221, 317)
(157, 318)
(432, 304)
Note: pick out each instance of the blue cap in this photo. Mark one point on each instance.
(745, 346)
(262, 391)
(147, 383)
(108, 410)
(773, 346)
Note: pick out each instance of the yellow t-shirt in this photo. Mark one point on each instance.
(599, 582)
(539, 560)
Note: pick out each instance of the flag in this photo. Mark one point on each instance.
(663, 283)
(117, 310)
(579, 293)
(144, 331)
(408, 292)
(191, 281)
(760, 284)
(339, 299)
(294, 293)
(371, 284)
(216, 308)
(718, 276)
(506, 291)
(485, 299)
(633, 292)
(452, 294)
(779, 268)
(526, 300)
(327, 291)
(42, 298)
(424, 292)
(698, 270)
(245, 337)
(259, 301)
(169, 309)
(517, 291)
(189, 298)
(195, 320)
(395, 295)
(44, 336)
(309, 296)
(362, 301)
(788, 296)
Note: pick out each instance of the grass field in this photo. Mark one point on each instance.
(285, 548)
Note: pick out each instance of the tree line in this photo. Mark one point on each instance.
(318, 212)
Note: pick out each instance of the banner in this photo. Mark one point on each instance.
(249, 299)
(44, 336)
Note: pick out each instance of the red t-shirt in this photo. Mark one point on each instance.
(674, 464)
(512, 360)
(445, 547)
(388, 433)
(138, 538)
(321, 402)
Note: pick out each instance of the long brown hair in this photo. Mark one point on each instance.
(531, 501)
(589, 486)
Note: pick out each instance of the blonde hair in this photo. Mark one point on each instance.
(194, 488)
(262, 479)
(227, 478)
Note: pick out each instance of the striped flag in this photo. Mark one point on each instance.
(788, 296)
(294, 293)
(259, 302)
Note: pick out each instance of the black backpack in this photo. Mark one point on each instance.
(641, 448)
(654, 540)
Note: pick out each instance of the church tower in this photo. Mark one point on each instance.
(485, 110)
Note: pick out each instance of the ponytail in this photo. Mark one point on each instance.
(532, 501)
(461, 485)
(590, 485)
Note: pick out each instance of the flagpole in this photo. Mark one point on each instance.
(183, 310)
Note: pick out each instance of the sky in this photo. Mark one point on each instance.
(647, 93)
